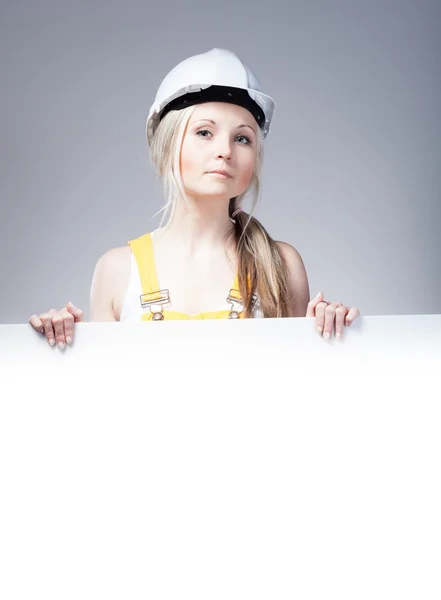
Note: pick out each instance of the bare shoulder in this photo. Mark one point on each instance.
(293, 260)
(298, 279)
(116, 257)
(109, 283)
(113, 262)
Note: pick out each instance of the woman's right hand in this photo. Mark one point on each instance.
(58, 325)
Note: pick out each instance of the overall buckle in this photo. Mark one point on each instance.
(236, 303)
(155, 302)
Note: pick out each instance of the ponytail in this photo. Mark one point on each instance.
(262, 267)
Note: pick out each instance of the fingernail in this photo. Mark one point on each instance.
(51, 341)
(326, 336)
(68, 339)
(319, 329)
(338, 336)
(60, 345)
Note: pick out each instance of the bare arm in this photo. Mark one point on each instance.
(109, 283)
(298, 280)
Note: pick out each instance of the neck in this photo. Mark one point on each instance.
(200, 224)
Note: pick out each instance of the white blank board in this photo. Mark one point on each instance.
(222, 460)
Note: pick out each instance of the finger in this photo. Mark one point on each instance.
(310, 310)
(352, 315)
(320, 316)
(340, 314)
(68, 323)
(57, 322)
(77, 312)
(329, 320)
(36, 323)
(46, 319)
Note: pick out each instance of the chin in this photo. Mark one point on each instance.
(218, 189)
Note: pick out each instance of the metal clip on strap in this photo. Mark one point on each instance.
(155, 302)
(237, 307)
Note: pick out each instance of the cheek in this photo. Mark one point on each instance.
(247, 172)
(186, 161)
(191, 159)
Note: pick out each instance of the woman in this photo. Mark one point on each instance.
(205, 131)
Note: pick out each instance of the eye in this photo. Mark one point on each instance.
(243, 137)
(202, 131)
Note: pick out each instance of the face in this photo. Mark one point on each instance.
(219, 136)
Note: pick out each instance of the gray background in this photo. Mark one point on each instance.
(353, 161)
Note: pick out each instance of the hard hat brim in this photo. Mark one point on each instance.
(264, 102)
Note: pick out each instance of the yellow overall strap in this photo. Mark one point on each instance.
(142, 248)
(236, 283)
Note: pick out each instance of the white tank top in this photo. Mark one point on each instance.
(131, 309)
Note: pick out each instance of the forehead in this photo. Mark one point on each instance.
(224, 112)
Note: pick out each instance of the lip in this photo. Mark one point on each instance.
(220, 172)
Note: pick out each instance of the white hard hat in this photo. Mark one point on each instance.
(216, 75)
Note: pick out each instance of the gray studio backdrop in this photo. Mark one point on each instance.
(353, 162)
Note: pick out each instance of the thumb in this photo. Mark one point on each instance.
(75, 311)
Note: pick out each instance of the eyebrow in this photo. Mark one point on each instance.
(214, 123)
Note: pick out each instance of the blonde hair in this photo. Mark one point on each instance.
(262, 268)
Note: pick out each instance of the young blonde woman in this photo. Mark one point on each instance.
(206, 132)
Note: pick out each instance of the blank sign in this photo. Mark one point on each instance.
(222, 460)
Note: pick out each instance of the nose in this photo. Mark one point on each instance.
(223, 147)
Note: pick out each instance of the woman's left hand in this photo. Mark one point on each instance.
(327, 314)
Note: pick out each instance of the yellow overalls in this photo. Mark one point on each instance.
(153, 299)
